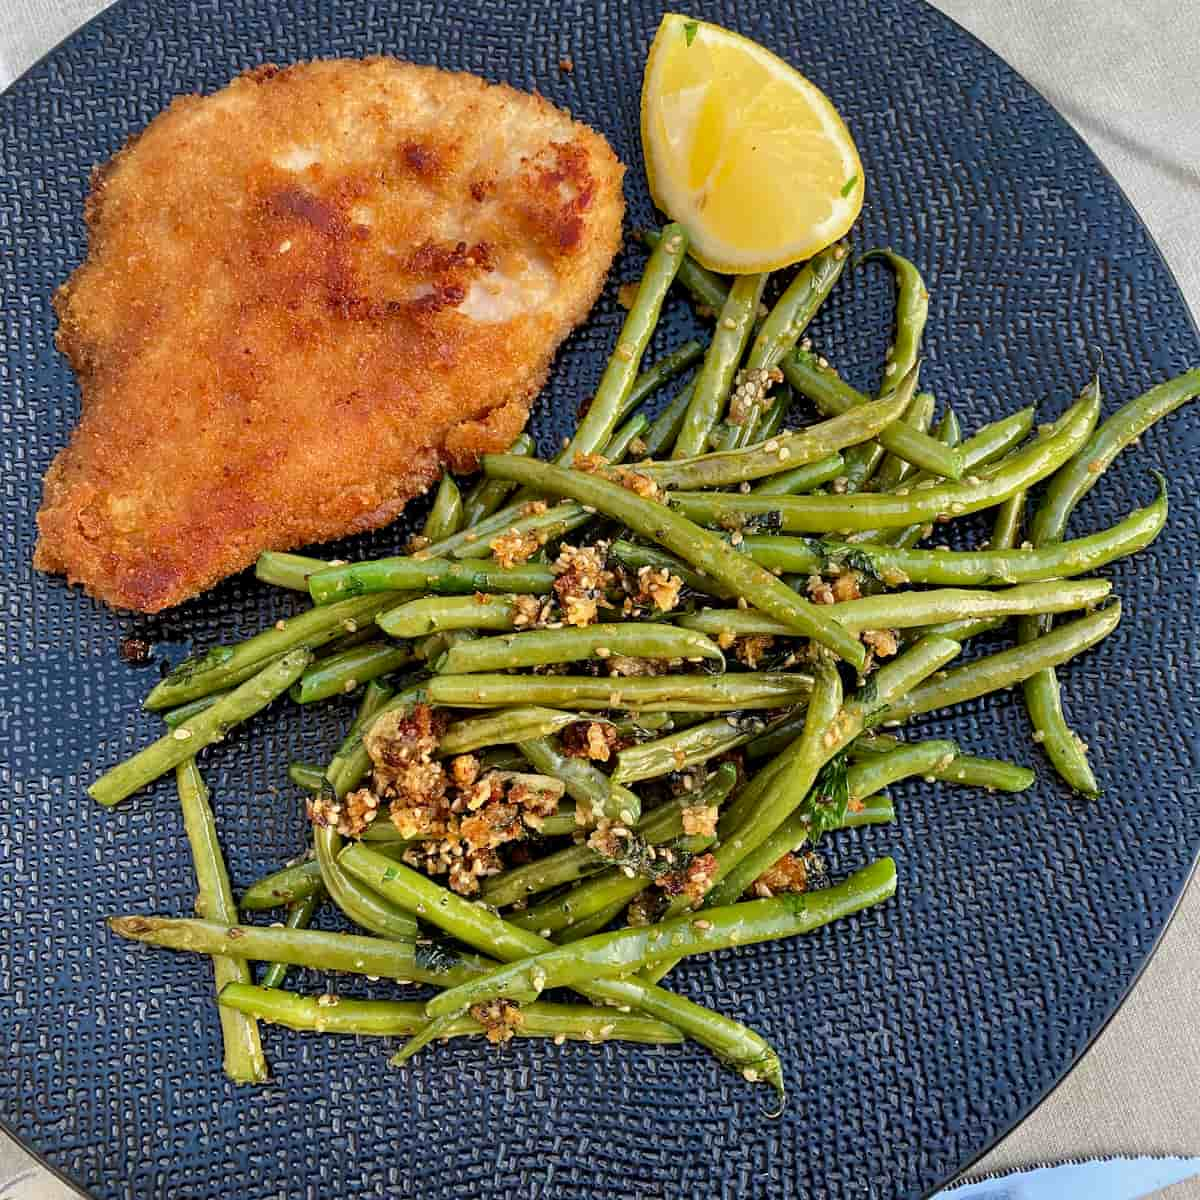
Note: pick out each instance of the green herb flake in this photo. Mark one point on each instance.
(827, 801)
(690, 29)
(848, 186)
(390, 874)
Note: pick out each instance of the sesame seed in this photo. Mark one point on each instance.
(559, 1038)
(728, 323)
(349, 685)
(281, 625)
(702, 924)
(181, 734)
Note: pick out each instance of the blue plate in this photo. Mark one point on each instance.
(913, 1036)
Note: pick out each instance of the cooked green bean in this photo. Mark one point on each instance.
(300, 915)
(188, 739)
(442, 575)
(991, 773)
(346, 672)
(664, 429)
(619, 447)
(802, 479)
(287, 570)
(309, 776)
(504, 727)
(831, 395)
(557, 520)
(404, 962)
(1009, 520)
(596, 796)
(1042, 696)
(623, 951)
(664, 369)
(893, 471)
(1008, 667)
(888, 511)
(390, 1018)
(707, 288)
(446, 515)
(962, 631)
(244, 1060)
(791, 836)
(489, 494)
(636, 556)
(538, 647)
(862, 462)
(676, 693)
(586, 926)
(477, 926)
(224, 666)
(772, 456)
(796, 307)
(968, 568)
(912, 311)
(621, 373)
(285, 886)
(699, 548)
(350, 761)
(905, 610)
(175, 717)
(436, 614)
(661, 825)
(687, 748)
(713, 380)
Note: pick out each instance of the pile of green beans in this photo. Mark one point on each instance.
(762, 607)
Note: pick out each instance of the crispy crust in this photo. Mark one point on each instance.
(303, 296)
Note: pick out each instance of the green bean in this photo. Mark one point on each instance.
(287, 570)
(404, 962)
(775, 740)
(390, 1018)
(666, 368)
(467, 540)
(224, 666)
(309, 776)
(436, 614)
(175, 717)
(774, 416)
(635, 556)
(964, 630)
(664, 429)
(488, 495)
(715, 376)
(446, 515)
(678, 693)
(538, 647)
(351, 762)
(596, 796)
(1006, 528)
(831, 395)
(699, 548)
(906, 610)
(593, 924)
(344, 673)
(912, 311)
(936, 502)
(286, 886)
(791, 836)
(1008, 667)
(893, 471)
(479, 927)
(967, 567)
(991, 773)
(796, 307)
(772, 456)
(440, 575)
(862, 462)
(800, 480)
(1042, 696)
(605, 955)
(678, 751)
(556, 521)
(706, 287)
(603, 890)
(621, 373)
(504, 727)
(244, 1060)
(300, 915)
(618, 447)
(189, 738)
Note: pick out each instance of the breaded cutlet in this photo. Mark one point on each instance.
(304, 296)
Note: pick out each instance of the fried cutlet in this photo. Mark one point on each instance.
(303, 296)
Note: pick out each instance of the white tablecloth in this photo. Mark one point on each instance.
(1127, 76)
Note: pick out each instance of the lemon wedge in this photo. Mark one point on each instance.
(743, 151)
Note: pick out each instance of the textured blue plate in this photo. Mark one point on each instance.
(913, 1036)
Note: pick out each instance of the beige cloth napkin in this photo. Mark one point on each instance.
(1127, 76)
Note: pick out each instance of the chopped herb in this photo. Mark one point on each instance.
(690, 29)
(770, 521)
(390, 873)
(848, 186)
(838, 556)
(433, 956)
(827, 801)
